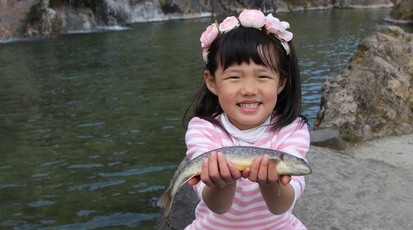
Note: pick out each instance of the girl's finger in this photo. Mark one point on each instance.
(285, 180)
(253, 175)
(205, 173)
(263, 170)
(223, 167)
(217, 166)
(272, 174)
(193, 181)
(246, 172)
(235, 173)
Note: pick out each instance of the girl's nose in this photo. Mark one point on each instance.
(249, 87)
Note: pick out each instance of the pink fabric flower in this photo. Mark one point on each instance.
(228, 24)
(209, 35)
(252, 18)
(275, 26)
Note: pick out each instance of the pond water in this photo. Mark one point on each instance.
(91, 124)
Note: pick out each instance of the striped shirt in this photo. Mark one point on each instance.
(249, 210)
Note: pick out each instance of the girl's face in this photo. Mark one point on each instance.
(247, 93)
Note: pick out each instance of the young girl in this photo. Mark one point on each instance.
(251, 97)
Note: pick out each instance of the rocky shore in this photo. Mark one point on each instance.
(45, 18)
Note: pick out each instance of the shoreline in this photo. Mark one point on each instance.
(201, 15)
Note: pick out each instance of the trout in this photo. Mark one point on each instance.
(242, 157)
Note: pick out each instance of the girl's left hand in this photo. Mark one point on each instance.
(263, 172)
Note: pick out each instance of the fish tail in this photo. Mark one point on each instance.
(166, 201)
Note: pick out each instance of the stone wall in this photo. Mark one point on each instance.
(373, 96)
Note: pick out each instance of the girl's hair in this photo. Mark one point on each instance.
(243, 45)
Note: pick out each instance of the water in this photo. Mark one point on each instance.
(90, 124)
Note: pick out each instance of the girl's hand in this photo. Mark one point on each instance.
(217, 171)
(263, 172)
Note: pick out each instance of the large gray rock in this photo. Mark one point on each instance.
(373, 96)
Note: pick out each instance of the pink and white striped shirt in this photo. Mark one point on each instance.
(249, 210)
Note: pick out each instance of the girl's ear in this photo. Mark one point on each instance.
(281, 84)
(210, 82)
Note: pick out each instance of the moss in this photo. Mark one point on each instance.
(290, 4)
(350, 138)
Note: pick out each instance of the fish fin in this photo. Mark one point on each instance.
(166, 202)
(274, 160)
(188, 179)
(167, 198)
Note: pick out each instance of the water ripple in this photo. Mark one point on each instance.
(84, 166)
(114, 220)
(95, 186)
(132, 172)
(40, 203)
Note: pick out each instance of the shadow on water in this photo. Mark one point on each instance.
(90, 124)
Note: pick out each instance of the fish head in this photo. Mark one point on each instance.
(292, 165)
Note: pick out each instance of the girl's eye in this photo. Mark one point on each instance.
(263, 77)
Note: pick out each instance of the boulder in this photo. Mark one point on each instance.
(373, 96)
(403, 11)
(328, 138)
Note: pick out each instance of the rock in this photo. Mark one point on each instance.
(42, 21)
(403, 11)
(362, 3)
(328, 138)
(373, 96)
(12, 14)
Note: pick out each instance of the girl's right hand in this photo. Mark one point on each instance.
(217, 171)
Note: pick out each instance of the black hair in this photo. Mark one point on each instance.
(243, 45)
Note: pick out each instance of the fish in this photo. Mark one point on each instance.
(242, 157)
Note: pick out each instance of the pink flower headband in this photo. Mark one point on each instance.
(247, 18)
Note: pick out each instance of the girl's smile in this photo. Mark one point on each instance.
(247, 93)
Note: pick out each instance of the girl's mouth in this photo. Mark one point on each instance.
(248, 105)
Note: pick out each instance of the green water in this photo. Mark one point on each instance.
(90, 124)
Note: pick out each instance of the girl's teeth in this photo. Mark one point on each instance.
(248, 106)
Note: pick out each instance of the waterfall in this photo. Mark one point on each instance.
(128, 12)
